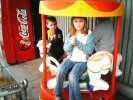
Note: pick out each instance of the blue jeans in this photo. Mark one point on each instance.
(76, 70)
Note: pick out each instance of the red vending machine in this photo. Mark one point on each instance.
(16, 34)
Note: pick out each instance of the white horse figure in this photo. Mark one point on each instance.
(97, 64)
(49, 59)
(101, 63)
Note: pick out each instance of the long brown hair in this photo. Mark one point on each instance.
(73, 30)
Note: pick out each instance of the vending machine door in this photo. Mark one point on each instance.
(17, 31)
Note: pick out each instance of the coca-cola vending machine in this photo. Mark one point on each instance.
(16, 32)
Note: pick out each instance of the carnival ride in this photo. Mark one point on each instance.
(81, 8)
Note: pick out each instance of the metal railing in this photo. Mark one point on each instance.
(14, 92)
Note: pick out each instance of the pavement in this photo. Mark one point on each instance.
(28, 70)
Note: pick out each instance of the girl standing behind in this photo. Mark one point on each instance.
(79, 45)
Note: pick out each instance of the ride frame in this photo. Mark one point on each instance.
(81, 8)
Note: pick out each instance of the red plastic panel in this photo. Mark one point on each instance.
(18, 36)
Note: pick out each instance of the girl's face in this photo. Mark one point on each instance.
(78, 23)
(51, 25)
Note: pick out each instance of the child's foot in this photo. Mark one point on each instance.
(58, 98)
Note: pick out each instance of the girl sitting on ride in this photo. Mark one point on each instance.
(79, 45)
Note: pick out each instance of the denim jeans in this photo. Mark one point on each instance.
(75, 69)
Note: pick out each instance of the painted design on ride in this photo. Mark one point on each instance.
(85, 7)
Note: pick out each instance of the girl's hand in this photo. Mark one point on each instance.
(73, 40)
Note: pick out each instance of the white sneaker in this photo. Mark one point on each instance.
(118, 72)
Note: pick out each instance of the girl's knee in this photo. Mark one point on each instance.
(72, 78)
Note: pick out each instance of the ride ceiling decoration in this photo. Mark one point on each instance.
(88, 8)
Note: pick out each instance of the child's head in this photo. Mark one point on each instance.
(78, 24)
(51, 22)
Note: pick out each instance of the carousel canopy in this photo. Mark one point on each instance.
(88, 8)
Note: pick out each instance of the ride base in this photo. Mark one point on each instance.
(48, 94)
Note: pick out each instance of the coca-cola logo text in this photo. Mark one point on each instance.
(23, 32)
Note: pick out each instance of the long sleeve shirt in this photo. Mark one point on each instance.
(86, 47)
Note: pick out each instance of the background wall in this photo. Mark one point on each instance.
(36, 21)
(125, 81)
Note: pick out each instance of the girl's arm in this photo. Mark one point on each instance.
(89, 46)
(68, 47)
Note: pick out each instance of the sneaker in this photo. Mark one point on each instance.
(58, 98)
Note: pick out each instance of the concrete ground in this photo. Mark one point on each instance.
(28, 70)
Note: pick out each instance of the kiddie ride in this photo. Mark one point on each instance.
(85, 8)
